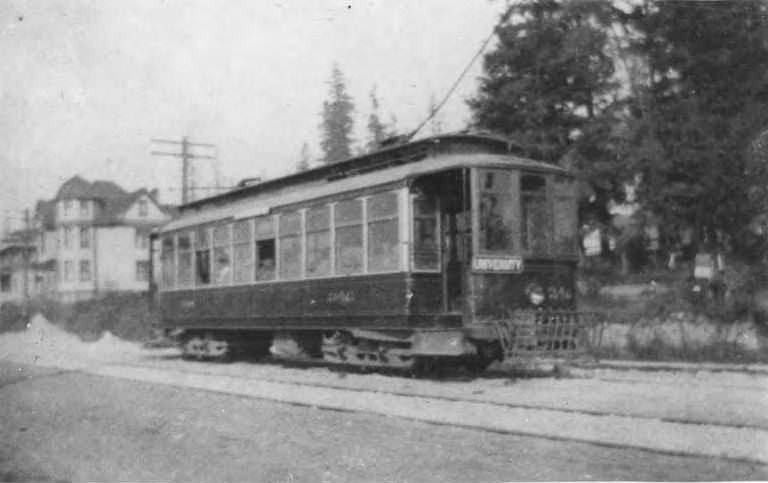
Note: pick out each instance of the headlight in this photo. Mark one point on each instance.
(535, 293)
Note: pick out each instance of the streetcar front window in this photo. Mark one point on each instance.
(536, 222)
(497, 211)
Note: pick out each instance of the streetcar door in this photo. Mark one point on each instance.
(442, 232)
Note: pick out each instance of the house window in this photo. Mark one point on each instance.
(290, 246)
(264, 233)
(383, 250)
(85, 237)
(348, 221)
(318, 241)
(143, 208)
(83, 207)
(42, 243)
(85, 270)
(67, 208)
(243, 254)
(142, 271)
(67, 237)
(141, 240)
(68, 265)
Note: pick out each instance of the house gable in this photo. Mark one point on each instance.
(143, 209)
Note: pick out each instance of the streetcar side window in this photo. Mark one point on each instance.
(242, 258)
(264, 233)
(348, 222)
(168, 261)
(536, 223)
(290, 245)
(202, 257)
(383, 252)
(184, 273)
(318, 241)
(222, 254)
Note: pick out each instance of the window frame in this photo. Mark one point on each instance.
(86, 239)
(380, 220)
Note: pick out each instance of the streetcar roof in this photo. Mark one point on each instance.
(261, 203)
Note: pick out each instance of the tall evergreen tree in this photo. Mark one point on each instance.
(376, 129)
(549, 84)
(304, 158)
(548, 76)
(337, 121)
(705, 104)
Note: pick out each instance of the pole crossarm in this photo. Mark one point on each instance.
(186, 156)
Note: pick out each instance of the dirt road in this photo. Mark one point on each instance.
(59, 424)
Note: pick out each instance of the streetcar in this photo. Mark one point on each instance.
(451, 248)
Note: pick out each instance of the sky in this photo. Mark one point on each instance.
(85, 85)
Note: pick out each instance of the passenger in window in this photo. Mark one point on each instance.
(266, 269)
(224, 270)
(492, 224)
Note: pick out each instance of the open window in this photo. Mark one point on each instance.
(264, 234)
(202, 257)
(184, 275)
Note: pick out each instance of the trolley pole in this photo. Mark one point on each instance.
(186, 156)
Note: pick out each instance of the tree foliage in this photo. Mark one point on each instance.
(377, 131)
(337, 121)
(704, 106)
(686, 112)
(548, 85)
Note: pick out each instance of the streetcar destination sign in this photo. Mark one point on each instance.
(498, 264)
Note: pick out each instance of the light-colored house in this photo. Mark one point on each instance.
(95, 237)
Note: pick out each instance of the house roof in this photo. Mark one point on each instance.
(112, 200)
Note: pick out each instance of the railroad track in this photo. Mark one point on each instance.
(421, 393)
(664, 436)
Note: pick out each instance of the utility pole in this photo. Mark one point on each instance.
(186, 156)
